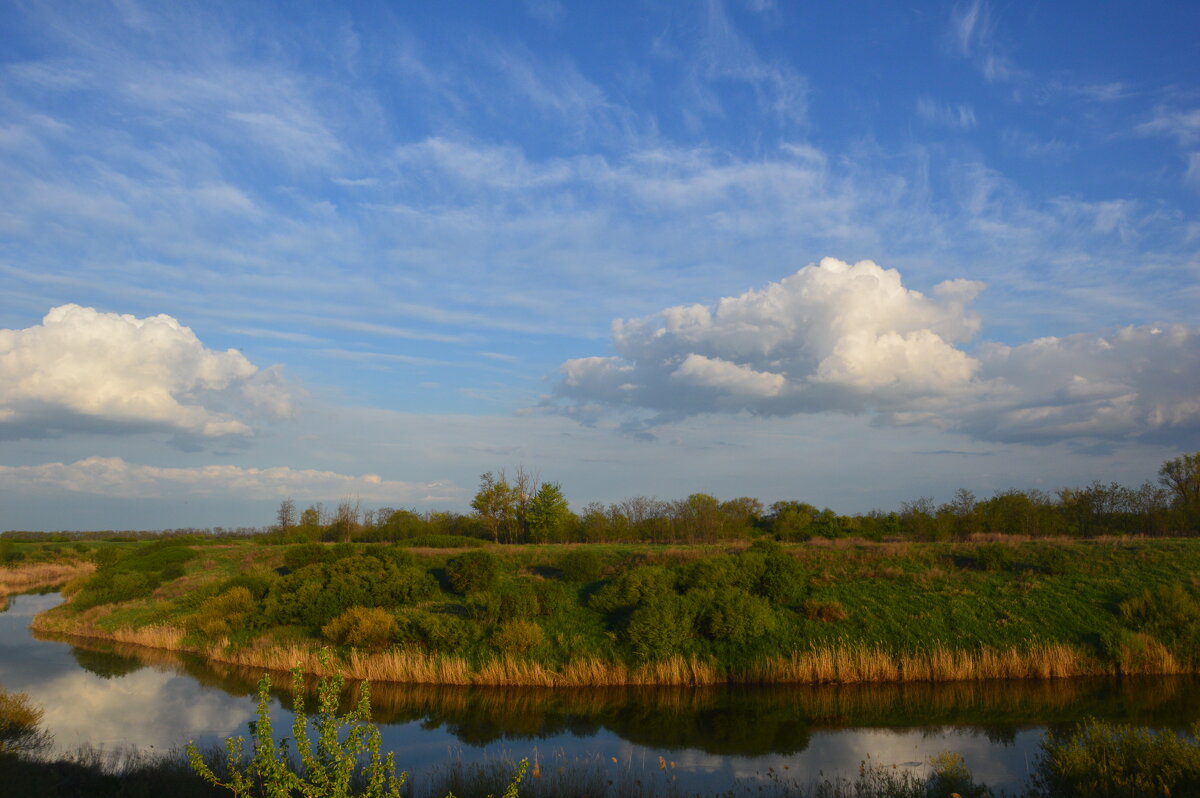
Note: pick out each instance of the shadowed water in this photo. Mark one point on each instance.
(111, 695)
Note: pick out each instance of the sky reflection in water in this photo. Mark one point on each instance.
(158, 700)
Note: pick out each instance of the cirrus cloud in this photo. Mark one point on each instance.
(836, 337)
(86, 370)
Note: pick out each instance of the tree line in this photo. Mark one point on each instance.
(521, 508)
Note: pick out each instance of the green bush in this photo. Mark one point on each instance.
(731, 614)
(1169, 612)
(296, 557)
(581, 565)
(472, 571)
(993, 556)
(362, 627)
(257, 585)
(442, 542)
(659, 627)
(219, 615)
(1054, 560)
(632, 588)
(783, 580)
(315, 594)
(1110, 759)
(433, 630)
(517, 636)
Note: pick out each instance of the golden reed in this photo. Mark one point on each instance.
(14, 579)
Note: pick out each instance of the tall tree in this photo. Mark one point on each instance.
(1181, 476)
(494, 505)
(548, 514)
(285, 518)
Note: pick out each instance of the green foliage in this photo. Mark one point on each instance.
(1054, 560)
(660, 626)
(362, 627)
(221, 614)
(731, 614)
(632, 588)
(296, 557)
(517, 636)
(1103, 759)
(315, 594)
(581, 565)
(434, 631)
(993, 556)
(783, 579)
(548, 515)
(258, 586)
(472, 570)
(1169, 612)
(442, 542)
(327, 768)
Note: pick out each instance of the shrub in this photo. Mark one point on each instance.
(633, 587)
(296, 557)
(442, 542)
(518, 636)
(827, 611)
(732, 614)
(219, 614)
(20, 725)
(659, 627)
(552, 597)
(783, 579)
(473, 570)
(581, 565)
(257, 585)
(1054, 560)
(434, 630)
(1169, 612)
(347, 749)
(1110, 759)
(993, 556)
(362, 627)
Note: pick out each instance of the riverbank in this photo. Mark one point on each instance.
(39, 575)
(548, 616)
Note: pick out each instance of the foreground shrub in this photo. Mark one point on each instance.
(436, 631)
(1112, 759)
(347, 747)
(362, 627)
(20, 725)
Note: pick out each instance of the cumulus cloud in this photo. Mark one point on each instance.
(114, 477)
(836, 337)
(81, 369)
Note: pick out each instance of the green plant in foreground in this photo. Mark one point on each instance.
(333, 767)
(328, 769)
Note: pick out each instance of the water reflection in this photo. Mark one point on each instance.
(107, 693)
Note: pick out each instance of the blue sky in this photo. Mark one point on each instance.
(850, 253)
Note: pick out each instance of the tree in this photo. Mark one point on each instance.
(1181, 476)
(494, 504)
(285, 519)
(548, 514)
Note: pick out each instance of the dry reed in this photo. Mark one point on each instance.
(14, 579)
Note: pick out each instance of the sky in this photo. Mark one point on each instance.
(847, 253)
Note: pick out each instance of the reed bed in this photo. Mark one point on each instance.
(14, 579)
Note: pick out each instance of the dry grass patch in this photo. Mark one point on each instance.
(35, 575)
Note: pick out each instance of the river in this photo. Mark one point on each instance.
(115, 697)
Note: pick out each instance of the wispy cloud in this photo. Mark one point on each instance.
(113, 476)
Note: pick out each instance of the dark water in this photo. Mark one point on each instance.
(113, 696)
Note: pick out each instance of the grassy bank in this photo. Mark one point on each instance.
(594, 615)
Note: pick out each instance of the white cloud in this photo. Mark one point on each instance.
(852, 338)
(959, 116)
(81, 369)
(114, 477)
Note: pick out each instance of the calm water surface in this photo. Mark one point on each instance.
(114, 696)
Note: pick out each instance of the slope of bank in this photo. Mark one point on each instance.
(605, 615)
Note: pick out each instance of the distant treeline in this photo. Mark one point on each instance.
(523, 509)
